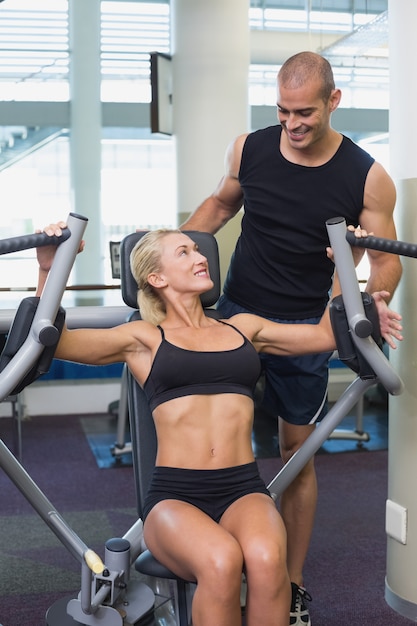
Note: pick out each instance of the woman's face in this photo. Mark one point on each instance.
(183, 267)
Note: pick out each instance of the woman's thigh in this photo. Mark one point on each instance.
(188, 541)
(257, 526)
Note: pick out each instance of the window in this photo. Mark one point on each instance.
(140, 169)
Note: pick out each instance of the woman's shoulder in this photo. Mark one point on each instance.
(248, 323)
(145, 332)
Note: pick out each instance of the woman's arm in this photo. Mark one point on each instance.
(46, 254)
(97, 346)
(296, 339)
(286, 339)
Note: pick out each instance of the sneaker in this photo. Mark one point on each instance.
(299, 615)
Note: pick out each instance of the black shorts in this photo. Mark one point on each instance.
(211, 491)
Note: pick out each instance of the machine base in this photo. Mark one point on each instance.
(139, 598)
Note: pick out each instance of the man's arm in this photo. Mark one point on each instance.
(226, 200)
(377, 218)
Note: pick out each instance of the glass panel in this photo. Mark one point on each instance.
(35, 54)
(35, 64)
(34, 59)
(138, 191)
(129, 32)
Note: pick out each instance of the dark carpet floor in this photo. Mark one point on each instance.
(345, 569)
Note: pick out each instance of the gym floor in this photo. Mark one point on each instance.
(41, 451)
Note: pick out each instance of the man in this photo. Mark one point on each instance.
(290, 178)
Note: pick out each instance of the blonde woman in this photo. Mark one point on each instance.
(208, 514)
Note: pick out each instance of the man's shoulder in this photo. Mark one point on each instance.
(273, 130)
(349, 145)
(267, 136)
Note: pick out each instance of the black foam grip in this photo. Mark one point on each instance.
(34, 240)
(384, 245)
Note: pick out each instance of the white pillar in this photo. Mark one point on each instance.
(85, 136)
(401, 580)
(211, 56)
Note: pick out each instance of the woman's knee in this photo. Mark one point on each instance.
(224, 563)
(266, 559)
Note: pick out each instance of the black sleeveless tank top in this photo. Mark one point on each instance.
(279, 268)
(177, 372)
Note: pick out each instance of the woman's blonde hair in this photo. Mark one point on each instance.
(145, 259)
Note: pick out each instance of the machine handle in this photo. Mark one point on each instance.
(93, 561)
(357, 320)
(384, 245)
(34, 240)
(49, 301)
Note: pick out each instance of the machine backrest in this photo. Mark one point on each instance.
(142, 427)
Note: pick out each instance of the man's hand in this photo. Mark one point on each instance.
(356, 252)
(389, 320)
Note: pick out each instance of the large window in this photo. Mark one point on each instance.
(138, 191)
(138, 172)
(35, 42)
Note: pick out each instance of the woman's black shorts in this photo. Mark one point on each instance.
(211, 491)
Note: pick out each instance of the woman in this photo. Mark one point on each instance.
(208, 514)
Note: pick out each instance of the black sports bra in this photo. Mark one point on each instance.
(177, 372)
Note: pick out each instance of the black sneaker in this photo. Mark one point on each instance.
(299, 615)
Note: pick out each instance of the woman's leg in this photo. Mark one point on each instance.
(257, 526)
(192, 545)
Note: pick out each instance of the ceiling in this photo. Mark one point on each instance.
(367, 46)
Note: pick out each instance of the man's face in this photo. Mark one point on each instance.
(304, 116)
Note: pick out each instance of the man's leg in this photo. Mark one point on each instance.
(296, 389)
(299, 500)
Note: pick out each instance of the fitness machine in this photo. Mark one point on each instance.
(108, 597)
(356, 345)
